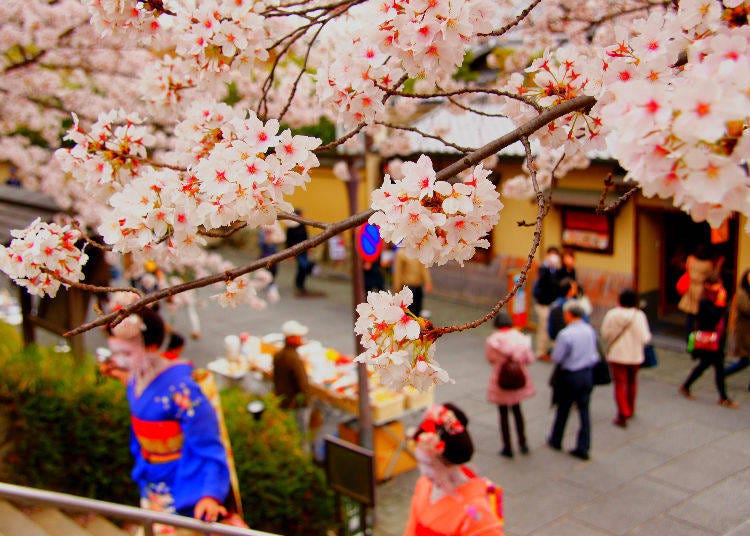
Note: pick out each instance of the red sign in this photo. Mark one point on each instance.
(369, 243)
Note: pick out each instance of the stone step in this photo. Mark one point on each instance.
(56, 523)
(99, 526)
(14, 521)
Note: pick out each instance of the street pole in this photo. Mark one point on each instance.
(358, 296)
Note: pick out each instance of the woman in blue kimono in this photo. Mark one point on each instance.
(180, 461)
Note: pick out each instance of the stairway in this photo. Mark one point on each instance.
(19, 520)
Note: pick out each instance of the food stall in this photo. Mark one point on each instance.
(248, 361)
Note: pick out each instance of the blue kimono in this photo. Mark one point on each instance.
(179, 455)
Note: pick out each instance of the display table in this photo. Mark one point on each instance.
(333, 381)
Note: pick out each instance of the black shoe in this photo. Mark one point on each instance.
(581, 455)
(554, 445)
(507, 453)
(524, 449)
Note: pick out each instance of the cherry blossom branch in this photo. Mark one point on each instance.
(463, 91)
(424, 134)
(303, 221)
(581, 103)
(77, 226)
(552, 186)
(602, 207)
(117, 316)
(213, 233)
(87, 287)
(293, 91)
(434, 333)
(522, 15)
(454, 102)
(522, 132)
(343, 139)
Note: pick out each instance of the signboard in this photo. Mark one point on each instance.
(350, 470)
(369, 243)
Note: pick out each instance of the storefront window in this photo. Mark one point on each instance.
(586, 230)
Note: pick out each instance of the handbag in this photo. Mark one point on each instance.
(554, 383)
(602, 375)
(649, 357)
(706, 340)
(511, 376)
(683, 284)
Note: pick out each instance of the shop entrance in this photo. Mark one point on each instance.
(665, 239)
(682, 236)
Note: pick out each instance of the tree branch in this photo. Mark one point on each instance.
(521, 133)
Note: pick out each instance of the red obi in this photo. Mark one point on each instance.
(160, 441)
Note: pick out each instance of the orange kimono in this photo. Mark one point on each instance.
(466, 512)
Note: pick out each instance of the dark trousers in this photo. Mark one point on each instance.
(736, 366)
(505, 426)
(625, 379)
(304, 268)
(575, 388)
(708, 359)
(416, 304)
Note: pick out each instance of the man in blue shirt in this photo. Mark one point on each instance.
(576, 353)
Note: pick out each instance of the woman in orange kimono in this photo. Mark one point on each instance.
(449, 499)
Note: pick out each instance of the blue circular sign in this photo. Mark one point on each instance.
(369, 243)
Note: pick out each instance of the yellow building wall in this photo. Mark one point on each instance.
(326, 199)
(509, 239)
(651, 251)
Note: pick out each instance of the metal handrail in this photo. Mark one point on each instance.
(146, 518)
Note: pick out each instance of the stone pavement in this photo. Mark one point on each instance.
(681, 468)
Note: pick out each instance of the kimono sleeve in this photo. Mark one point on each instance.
(204, 460)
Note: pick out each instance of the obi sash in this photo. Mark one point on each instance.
(160, 441)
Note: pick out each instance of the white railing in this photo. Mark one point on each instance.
(145, 518)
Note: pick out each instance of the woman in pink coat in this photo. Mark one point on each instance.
(508, 343)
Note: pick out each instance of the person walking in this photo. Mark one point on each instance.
(507, 343)
(575, 353)
(739, 326)
(698, 266)
(290, 381)
(410, 272)
(449, 498)
(545, 291)
(296, 233)
(710, 324)
(625, 329)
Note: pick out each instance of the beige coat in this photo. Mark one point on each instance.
(632, 323)
(698, 270)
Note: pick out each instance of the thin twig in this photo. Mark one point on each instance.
(233, 228)
(87, 287)
(514, 22)
(424, 134)
(603, 207)
(541, 211)
(303, 221)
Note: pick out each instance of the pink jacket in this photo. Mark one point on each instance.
(501, 344)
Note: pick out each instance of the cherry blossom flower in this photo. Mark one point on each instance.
(396, 346)
(39, 253)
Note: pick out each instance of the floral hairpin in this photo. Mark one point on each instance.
(435, 418)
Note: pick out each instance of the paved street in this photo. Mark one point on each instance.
(681, 468)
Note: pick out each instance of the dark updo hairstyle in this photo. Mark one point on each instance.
(153, 333)
(503, 320)
(628, 298)
(458, 447)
